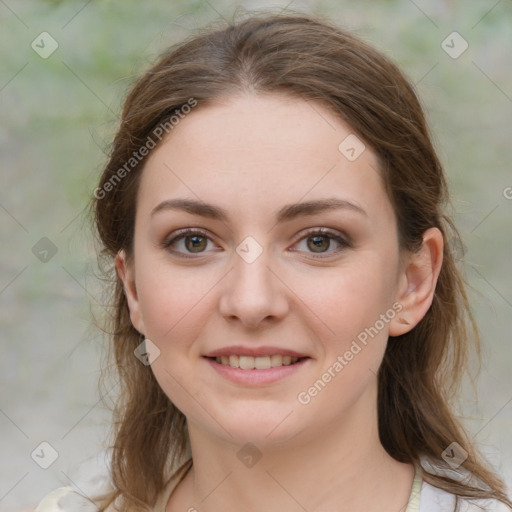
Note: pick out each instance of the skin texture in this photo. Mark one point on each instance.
(252, 155)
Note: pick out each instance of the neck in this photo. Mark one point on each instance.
(344, 467)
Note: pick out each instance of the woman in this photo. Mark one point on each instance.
(289, 325)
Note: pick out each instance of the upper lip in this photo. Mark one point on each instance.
(240, 350)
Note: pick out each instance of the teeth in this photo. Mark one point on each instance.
(276, 361)
(246, 362)
(262, 363)
(258, 363)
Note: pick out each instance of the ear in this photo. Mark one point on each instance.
(126, 272)
(417, 282)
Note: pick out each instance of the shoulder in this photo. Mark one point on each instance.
(90, 480)
(433, 499)
(66, 499)
(50, 503)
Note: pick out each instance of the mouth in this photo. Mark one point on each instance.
(256, 363)
(250, 367)
(256, 366)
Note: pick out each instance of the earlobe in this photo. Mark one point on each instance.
(417, 282)
(125, 271)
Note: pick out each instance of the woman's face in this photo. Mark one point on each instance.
(264, 238)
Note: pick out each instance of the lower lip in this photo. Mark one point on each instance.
(256, 377)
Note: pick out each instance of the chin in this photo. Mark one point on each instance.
(264, 425)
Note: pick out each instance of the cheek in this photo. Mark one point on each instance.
(173, 301)
(353, 340)
(175, 304)
(350, 298)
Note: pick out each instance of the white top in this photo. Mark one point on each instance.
(423, 498)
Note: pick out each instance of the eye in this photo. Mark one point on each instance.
(188, 242)
(321, 241)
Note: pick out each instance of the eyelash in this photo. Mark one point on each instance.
(332, 235)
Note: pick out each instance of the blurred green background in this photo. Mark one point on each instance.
(57, 117)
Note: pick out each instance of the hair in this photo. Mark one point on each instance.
(308, 58)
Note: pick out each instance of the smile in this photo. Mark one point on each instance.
(260, 370)
(256, 363)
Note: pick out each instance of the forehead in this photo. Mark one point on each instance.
(255, 152)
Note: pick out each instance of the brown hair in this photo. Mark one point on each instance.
(309, 58)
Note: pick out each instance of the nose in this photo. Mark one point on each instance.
(253, 294)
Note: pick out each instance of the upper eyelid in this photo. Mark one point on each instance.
(204, 232)
(323, 231)
(333, 234)
(182, 233)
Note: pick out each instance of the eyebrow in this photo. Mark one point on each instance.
(286, 213)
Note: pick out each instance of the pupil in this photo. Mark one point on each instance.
(195, 243)
(318, 242)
